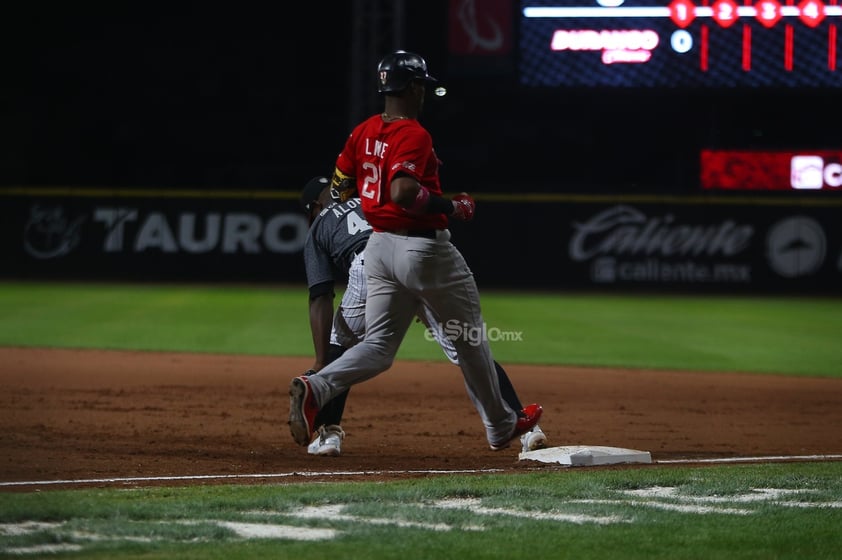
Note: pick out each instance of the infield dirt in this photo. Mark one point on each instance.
(82, 414)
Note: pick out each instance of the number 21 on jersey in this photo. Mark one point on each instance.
(371, 182)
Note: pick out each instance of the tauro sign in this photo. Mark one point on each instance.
(127, 230)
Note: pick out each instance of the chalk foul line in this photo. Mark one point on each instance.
(327, 474)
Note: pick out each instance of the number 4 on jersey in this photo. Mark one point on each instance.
(356, 224)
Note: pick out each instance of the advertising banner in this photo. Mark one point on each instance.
(606, 243)
(153, 238)
(669, 244)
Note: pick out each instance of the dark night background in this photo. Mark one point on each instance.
(258, 96)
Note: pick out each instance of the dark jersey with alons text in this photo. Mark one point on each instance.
(336, 236)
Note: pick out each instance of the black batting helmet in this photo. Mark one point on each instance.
(398, 69)
(311, 192)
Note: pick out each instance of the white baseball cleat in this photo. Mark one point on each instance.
(328, 442)
(533, 439)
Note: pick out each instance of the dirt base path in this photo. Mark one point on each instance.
(75, 414)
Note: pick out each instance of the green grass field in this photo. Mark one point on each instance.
(736, 512)
(793, 336)
(776, 510)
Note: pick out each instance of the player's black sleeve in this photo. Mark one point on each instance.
(321, 289)
(439, 205)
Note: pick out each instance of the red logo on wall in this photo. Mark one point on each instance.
(783, 170)
(480, 27)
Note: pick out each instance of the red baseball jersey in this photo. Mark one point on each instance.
(375, 151)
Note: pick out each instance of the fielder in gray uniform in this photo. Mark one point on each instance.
(334, 250)
(390, 161)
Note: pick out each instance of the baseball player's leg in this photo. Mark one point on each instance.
(534, 438)
(436, 329)
(348, 329)
(331, 413)
(389, 312)
(483, 388)
(445, 283)
(507, 390)
(329, 432)
(349, 321)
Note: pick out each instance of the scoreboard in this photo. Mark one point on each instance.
(717, 44)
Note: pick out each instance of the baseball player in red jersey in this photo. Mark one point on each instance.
(335, 248)
(409, 260)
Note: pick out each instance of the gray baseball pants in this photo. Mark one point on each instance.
(405, 272)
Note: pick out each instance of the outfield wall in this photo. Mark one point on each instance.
(711, 243)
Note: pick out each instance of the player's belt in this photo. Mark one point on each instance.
(428, 233)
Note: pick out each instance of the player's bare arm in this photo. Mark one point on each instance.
(321, 321)
(404, 190)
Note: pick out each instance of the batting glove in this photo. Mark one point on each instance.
(463, 207)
